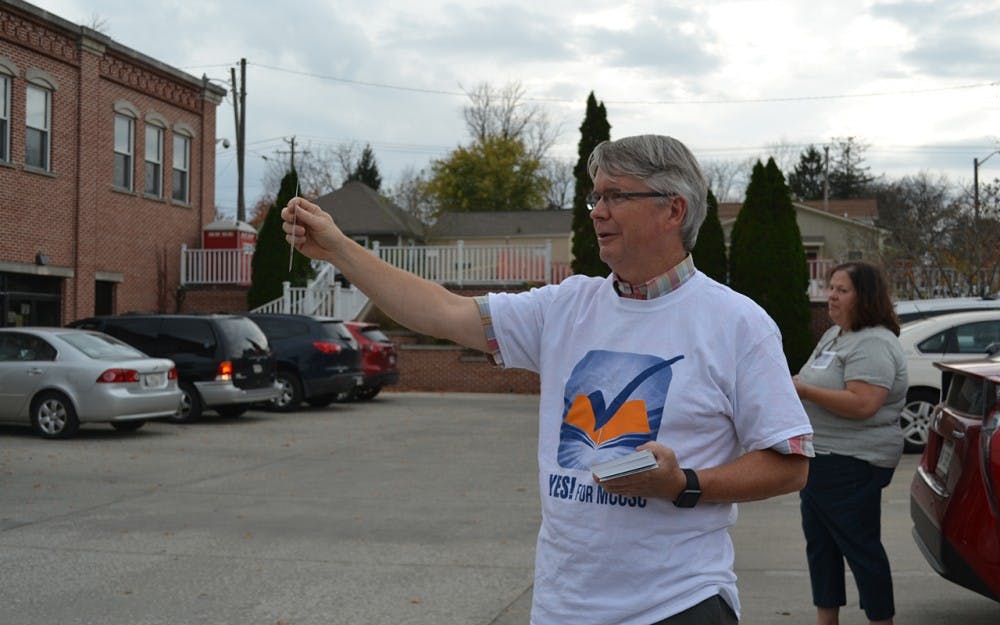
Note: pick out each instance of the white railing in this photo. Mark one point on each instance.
(332, 301)
(462, 264)
(819, 272)
(216, 266)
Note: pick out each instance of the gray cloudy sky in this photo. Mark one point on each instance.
(916, 80)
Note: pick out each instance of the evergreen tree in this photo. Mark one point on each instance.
(768, 263)
(366, 170)
(807, 181)
(270, 258)
(709, 252)
(594, 130)
(848, 178)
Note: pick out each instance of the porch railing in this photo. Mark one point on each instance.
(200, 266)
(462, 264)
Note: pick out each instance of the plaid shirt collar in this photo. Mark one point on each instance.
(660, 285)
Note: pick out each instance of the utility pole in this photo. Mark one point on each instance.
(826, 178)
(291, 151)
(980, 284)
(240, 127)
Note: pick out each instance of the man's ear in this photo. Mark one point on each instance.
(678, 209)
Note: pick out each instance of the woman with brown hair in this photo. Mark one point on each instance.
(853, 388)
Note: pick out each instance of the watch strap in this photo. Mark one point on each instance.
(692, 490)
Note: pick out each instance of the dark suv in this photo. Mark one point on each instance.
(318, 358)
(223, 361)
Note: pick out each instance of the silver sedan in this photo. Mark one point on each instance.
(57, 378)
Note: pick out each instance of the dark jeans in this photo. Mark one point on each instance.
(841, 518)
(711, 611)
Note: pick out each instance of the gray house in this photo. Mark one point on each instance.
(367, 217)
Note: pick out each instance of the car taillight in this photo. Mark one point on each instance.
(172, 374)
(224, 372)
(114, 376)
(327, 347)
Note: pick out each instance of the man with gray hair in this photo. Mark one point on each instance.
(654, 358)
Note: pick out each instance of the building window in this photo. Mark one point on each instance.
(154, 161)
(4, 117)
(124, 140)
(182, 167)
(38, 121)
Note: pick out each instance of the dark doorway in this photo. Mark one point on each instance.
(29, 300)
(104, 297)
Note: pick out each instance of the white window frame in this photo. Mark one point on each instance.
(5, 88)
(181, 168)
(45, 130)
(124, 152)
(153, 169)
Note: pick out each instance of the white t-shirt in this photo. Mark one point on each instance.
(700, 370)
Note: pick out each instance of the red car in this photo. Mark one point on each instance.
(955, 494)
(378, 358)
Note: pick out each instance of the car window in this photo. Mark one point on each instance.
(187, 336)
(139, 332)
(937, 344)
(242, 336)
(18, 347)
(965, 394)
(101, 346)
(336, 330)
(974, 338)
(277, 329)
(376, 335)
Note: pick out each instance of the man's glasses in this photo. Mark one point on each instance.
(612, 198)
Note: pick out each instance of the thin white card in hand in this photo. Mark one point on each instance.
(291, 246)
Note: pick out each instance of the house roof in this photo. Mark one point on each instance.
(360, 210)
(859, 210)
(556, 223)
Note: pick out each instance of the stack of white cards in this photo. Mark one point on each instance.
(625, 465)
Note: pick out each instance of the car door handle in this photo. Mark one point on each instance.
(35, 371)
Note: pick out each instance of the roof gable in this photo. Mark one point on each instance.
(360, 210)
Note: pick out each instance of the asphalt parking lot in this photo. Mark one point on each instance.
(415, 508)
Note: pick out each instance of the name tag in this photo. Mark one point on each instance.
(823, 360)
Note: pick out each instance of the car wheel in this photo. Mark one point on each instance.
(232, 411)
(290, 396)
(915, 419)
(53, 416)
(321, 401)
(365, 393)
(128, 426)
(191, 406)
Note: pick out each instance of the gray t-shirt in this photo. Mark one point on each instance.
(871, 355)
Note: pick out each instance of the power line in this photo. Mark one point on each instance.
(800, 98)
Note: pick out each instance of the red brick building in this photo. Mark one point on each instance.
(107, 165)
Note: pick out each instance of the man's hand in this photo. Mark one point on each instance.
(314, 233)
(665, 481)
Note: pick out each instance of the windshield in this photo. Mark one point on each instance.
(101, 346)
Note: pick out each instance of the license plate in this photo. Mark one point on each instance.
(258, 368)
(944, 459)
(153, 380)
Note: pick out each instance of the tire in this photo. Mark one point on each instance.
(915, 420)
(128, 426)
(364, 393)
(231, 411)
(321, 401)
(53, 415)
(191, 405)
(290, 396)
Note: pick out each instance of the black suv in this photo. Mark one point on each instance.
(318, 358)
(223, 361)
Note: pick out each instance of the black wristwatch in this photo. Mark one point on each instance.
(692, 490)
